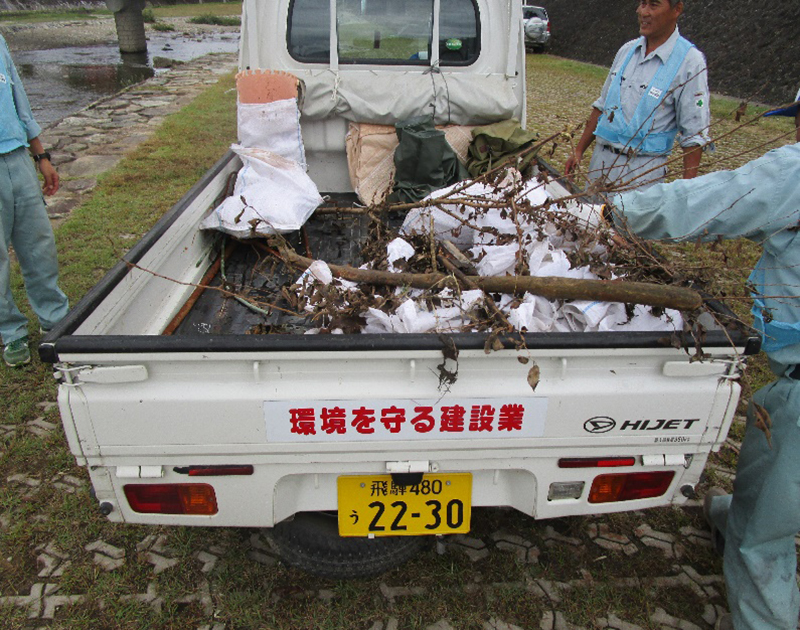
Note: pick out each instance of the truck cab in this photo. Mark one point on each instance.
(380, 62)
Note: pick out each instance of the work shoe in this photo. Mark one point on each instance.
(716, 536)
(16, 353)
(724, 622)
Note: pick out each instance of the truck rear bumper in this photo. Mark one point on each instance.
(276, 492)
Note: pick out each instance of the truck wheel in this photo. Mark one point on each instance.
(311, 542)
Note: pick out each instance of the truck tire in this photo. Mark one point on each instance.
(311, 542)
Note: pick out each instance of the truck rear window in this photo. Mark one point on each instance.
(395, 32)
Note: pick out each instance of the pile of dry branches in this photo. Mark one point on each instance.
(451, 238)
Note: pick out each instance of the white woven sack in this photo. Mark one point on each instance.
(272, 195)
(272, 126)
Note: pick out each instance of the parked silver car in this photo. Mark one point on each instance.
(537, 28)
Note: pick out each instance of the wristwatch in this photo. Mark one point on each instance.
(42, 156)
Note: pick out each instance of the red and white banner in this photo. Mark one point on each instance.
(378, 420)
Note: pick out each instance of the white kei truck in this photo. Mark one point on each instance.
(183, 417)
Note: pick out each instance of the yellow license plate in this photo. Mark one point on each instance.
(375, 505)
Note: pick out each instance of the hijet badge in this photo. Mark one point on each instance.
(379, 420)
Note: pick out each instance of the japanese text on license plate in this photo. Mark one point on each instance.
(375, 505)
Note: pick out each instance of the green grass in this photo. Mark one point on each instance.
(52, 15)
(127, 203)
(555, 65)
(219, 20)
(206, 8)
(357, 40)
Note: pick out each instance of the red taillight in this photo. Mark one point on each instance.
(214, 471)
(172, 498)
(548, 27)
(595, 462)
(630, 486)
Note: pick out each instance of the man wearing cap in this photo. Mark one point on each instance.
(23, 218)
(657, 88)
(755, 527)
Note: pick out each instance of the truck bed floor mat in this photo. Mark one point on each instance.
(311, 542)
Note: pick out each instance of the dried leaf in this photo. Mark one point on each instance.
(448, 377)
(740, 111)
(533, 376)
(763, 422)
(449, 351)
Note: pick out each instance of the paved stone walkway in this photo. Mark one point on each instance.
(92, 141)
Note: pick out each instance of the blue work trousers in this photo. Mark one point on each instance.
(25, 225)
(760, 520)
(623, 172)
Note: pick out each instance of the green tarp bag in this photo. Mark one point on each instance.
(497, 144)
(423, 160)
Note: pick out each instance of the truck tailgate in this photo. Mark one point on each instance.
(273, 412)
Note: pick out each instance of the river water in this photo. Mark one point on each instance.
(62, 81)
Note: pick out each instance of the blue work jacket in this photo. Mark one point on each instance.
(759, 201)
(17, 124)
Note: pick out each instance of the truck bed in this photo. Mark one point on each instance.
(335, 238)
(147, 293)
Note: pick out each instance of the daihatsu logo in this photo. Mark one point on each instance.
(600, 424)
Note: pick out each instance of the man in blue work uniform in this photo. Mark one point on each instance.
(23, 218)
(757, 524)
(657, 88)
